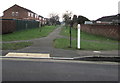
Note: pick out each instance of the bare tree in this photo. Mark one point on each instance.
(67, 17)
(54, 18)
(74, 19)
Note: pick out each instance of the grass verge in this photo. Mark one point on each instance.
(28, 34)
(86, 36)
(85, 45)
(15, 46)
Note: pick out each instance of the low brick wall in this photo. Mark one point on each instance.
(111, 31)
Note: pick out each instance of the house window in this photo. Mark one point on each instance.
(29, 14)
(16, 13)
(39, 18)
(35, 16)
(13, 13)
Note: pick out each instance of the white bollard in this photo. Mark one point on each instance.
(78, 39)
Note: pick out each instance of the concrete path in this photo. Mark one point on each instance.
(45, 45)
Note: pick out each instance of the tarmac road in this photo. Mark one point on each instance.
(57, 70)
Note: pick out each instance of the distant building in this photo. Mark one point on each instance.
(88, 22)
(18, 12)
(109, 20)
(117, 22)
(104, 22)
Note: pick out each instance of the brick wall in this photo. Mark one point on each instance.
(8, 26)
(111, 31)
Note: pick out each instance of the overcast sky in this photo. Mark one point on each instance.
(92, 9)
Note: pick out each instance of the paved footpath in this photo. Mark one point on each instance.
(45, 45)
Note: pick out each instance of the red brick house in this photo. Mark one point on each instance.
(18, 12)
